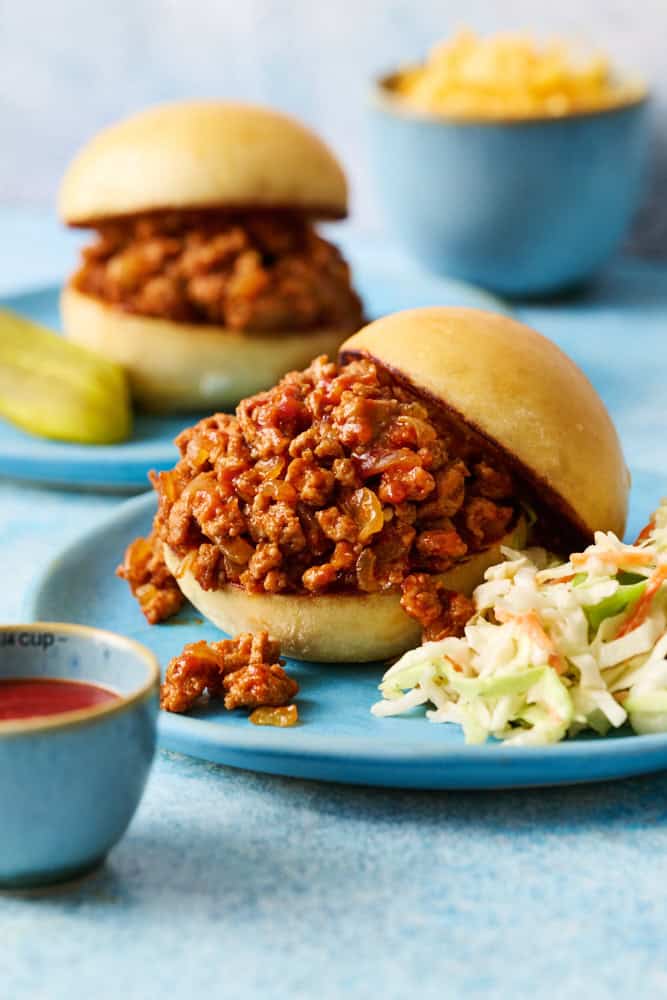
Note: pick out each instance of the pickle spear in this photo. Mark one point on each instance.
(59, 390)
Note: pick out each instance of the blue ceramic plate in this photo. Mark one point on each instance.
(109, 467)
(386, 284)
(337, 738)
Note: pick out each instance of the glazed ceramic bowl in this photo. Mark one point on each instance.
(70, 783)
(520, 207)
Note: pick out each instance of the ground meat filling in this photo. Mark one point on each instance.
(337, 479)
(150, 581)
(245, 672)
(256, 272)
(440, 611)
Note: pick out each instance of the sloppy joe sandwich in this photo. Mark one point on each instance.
(206, 278)
(355, 505)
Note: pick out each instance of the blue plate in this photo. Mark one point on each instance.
(337, 739)
(120, 467)
(386, 283)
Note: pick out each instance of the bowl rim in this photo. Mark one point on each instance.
(382, 98)
(66, 720)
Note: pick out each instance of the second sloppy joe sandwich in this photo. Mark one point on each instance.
(356, 504)
(207, 280)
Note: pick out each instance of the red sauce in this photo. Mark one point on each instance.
(27, 697)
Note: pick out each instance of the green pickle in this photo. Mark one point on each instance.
(59, 390)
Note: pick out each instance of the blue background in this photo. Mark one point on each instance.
(67, 68)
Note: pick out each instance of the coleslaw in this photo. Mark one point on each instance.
(553, 648)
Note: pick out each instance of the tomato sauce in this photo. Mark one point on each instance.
(29, 697)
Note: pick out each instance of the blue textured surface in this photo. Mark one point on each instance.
(337, 738)
(386, 283)
(234, 884)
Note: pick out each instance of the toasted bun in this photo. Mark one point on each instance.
(202, 154)
(180, 366)
(522, 393)
(330, 628)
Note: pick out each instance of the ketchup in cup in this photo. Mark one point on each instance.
(31, 697)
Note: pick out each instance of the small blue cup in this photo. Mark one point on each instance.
(520, 207)
(70, 783)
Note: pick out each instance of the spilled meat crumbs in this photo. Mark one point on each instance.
(338, 479)
(249, 271)
(245, 672)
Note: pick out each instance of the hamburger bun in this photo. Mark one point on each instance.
(519, 391)
(182, 366)
(201, 155)
(330, 628)
(205, 156)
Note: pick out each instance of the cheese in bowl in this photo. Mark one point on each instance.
(512, 76)
(515, 166)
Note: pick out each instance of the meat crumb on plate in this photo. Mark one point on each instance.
(245, 672)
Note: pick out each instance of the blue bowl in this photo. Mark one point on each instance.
(70, 783)
(522, 208)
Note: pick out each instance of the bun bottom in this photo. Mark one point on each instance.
(330, 628)
(183, 366)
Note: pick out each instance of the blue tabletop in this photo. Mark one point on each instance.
(235, 884)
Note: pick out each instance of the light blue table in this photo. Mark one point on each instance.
(239, 885)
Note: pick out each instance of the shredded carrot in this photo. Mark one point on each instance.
(457, 666)
(645, 532)
(643, 606)
(618, 557)
(532, 626)
(562, 579)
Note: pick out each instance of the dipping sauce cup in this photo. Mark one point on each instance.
(70, 782)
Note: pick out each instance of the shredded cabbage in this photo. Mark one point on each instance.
(552, 649)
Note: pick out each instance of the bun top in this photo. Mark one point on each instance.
(199, 155)
(522, 393)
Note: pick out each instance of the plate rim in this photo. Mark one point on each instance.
(263, 741)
